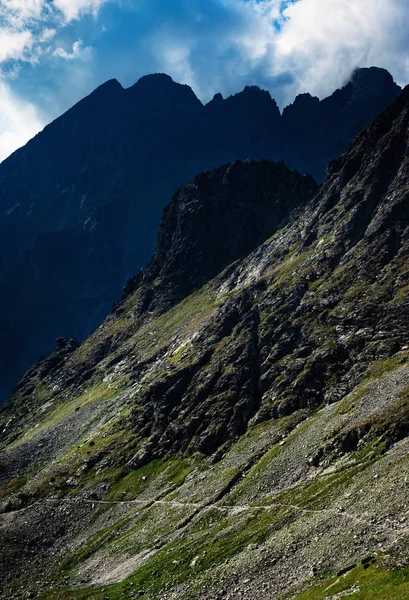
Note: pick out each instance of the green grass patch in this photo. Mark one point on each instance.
(348, 404)
(314, 285)
(158, 333)
(93, 545)
(182, 355)
(174, 472)
(401, 295)
(357, 290)
(288, 270)
(65, 408)
(133, 484)
(364, 582)
(379, 368)
(317, 494)
(370, 451)
(12, 486)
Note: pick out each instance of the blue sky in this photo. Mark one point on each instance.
(53, 52)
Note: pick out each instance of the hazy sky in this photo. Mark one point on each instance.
(53, 52)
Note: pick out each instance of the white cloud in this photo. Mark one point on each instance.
(18, 12)
(47, 34)
(322, 41)
(73, 9)
(79, 52)
(14, 45)
(27, 30)
(19, 121)
(213, 47)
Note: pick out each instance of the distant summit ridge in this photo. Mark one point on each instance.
(80, 204)
(372, 79)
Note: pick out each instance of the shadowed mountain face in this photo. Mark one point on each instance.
(243, 432)
(81, 202)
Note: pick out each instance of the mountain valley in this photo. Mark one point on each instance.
(237, 427)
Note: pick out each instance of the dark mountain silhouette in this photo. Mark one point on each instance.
(81, 202)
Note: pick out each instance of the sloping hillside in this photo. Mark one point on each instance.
(249, 440)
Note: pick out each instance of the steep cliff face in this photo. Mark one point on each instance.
(80, 203)
(219, 218)
(251, 440)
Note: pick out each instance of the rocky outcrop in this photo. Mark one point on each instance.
(219, 218)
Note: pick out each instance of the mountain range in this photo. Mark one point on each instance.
(237, 427)
(80, 204)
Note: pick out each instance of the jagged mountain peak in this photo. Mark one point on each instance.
(372, 79)
(303, 105)
(252, 94)
(100, 99)
(153, 79)
(217, 98)
(370, 182)
(254, 90)
(160, 86)
(110, 84)
(352, 238)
